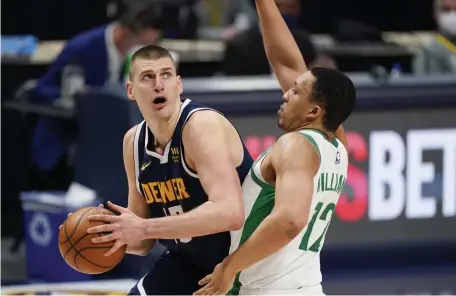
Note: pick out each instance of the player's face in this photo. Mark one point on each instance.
(297, 110)
(156, 87)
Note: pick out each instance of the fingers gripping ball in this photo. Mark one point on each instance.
(77, 249)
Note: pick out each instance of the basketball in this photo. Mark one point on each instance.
(76, 246)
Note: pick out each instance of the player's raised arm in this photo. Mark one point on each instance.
(281, 48)
(207, 144)
(136, 202)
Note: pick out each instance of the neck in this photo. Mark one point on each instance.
(314, 126)
(163, 129)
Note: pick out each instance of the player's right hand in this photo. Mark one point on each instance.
(100, 206)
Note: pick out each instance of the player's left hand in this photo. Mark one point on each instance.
(123, 228)
(219, 282)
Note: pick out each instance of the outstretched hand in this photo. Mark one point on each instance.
(219, 282)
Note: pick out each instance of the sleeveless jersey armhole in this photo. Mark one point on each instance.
(187, 168)
(314, 144)
(136, 154)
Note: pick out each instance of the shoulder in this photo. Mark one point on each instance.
(204, 119)
(87, 39)
(294, 149)
(293, 141)
(205, 129)
(130, 135)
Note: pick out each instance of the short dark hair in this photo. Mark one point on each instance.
(336, 92)
(150, 52)
(139, 14)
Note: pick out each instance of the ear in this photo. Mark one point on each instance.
(179, 85)
(314, 112)
(129, 87)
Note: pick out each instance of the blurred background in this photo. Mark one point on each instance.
(65, 111)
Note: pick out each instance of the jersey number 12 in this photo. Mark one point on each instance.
(324, 216)
(177, 210)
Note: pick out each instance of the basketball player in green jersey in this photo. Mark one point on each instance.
(292, 189)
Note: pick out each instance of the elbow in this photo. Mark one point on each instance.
(292, 223)
(233, 217)
(295, 226)
(236, 223)
(230, 213)
(235, 220)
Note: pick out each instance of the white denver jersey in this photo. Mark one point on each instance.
(298, 263)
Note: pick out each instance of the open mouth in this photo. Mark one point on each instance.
(159, 100)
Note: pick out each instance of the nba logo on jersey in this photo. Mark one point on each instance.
(338, 157)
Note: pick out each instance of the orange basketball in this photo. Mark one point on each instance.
(76, 246)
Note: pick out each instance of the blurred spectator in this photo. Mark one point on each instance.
(352, 32)
(245, 55)
(231, 17)
(99, 56)
(181, 21)
(325, 61)
(439, 55)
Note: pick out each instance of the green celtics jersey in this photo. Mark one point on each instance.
(298, 263)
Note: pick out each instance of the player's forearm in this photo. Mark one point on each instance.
(208, 218)
(280, 46)
(275, 232)
(140, 248)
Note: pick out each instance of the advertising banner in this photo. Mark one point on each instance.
(401, 185)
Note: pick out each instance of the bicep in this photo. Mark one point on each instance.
(295, 161)
(208, 147)
(136, 202)
(294, 188)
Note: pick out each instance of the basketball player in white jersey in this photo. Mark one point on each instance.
(292, 190)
